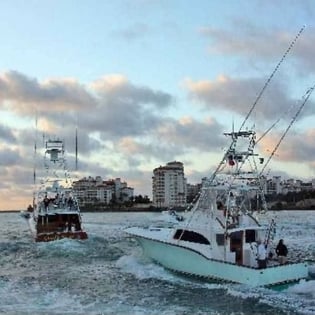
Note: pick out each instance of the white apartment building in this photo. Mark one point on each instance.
(273, 186)
(169, 185)
(104, 194)
(94, 190)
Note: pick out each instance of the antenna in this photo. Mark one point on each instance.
(76, 148)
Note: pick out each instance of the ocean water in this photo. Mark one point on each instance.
(107, 274)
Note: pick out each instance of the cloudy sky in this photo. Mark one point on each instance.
(147, 82)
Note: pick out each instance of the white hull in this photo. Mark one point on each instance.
(186, 260)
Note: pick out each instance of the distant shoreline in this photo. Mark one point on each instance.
(9, 211)
(130, 210)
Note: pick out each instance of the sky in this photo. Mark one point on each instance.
(147, 82)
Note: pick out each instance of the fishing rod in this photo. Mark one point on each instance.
(306, 96)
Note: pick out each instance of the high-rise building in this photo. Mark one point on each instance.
(169, 185)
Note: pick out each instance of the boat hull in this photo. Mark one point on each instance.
(54, 236)
(51, 235)
(188, 261)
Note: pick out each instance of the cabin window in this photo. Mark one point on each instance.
(47, 219)
(190, 236)
(250, 236)
(220, 239)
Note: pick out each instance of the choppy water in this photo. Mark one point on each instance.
(107, 274)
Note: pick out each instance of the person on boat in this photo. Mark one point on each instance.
(46, 202)
(282, 252)
(70, 203)
(30, 208)
(57, 199)
(261, 255)
(69, 225)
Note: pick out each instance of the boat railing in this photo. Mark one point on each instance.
(60, 206)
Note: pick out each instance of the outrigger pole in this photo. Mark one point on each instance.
(272, 74)
(259, 97)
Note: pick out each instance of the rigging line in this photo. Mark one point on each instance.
(272, 75)
(306, 97)
(267, 131)
(275, 123)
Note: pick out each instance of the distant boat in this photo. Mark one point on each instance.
(55, 213)
(172, 216)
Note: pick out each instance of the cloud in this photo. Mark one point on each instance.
(111, 105)
(133, 32)
(114, 117)
(129, 146)
(239, 94)
(9, 157)
(117, 88)
(171, 139)
(125, 109)
(246, 40)
(297, 147)
(260, 45)
(189, 133)
(27, 95)
(7, 135)
(124, 129)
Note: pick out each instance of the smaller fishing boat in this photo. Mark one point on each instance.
(55, 213)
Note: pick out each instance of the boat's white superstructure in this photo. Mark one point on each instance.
(55, 213)
(219, 238)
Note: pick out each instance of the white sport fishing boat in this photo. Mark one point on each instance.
(220, 238)
(55, 213)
